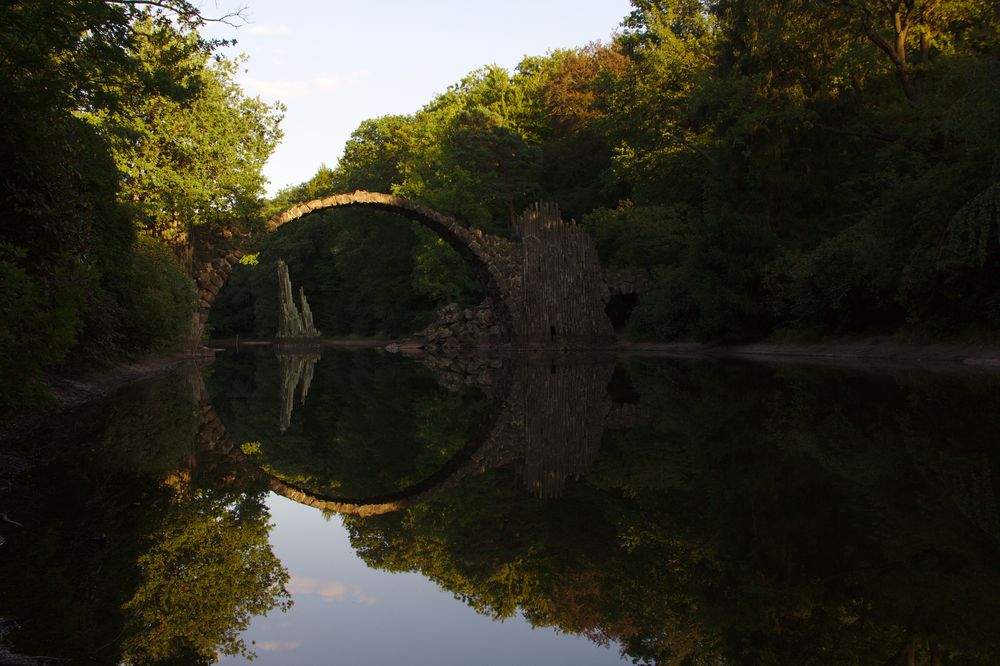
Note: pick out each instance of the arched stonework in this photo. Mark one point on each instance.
(493, 260)
(545, 285)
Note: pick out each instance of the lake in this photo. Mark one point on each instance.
(354, 506)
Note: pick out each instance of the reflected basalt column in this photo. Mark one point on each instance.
(565, 405)
(553, 413)
(296, 371)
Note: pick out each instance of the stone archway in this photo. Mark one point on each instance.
(494, 260)
(545, 284)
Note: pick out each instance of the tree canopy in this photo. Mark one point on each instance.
(117, 119)
(776, 169)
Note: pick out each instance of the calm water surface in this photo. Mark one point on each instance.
(358, 507)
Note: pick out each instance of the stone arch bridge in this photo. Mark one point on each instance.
(545, 285)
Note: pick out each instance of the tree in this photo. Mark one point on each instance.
(209, 571)
(141, 75)
(374, 154)
(471, 154)
(191, 159)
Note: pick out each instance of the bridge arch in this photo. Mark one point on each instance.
(494, 261)
(547, 417)
(490, 446)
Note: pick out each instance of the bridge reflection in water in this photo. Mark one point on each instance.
(686, 511)
(798, 515)
(546, 418)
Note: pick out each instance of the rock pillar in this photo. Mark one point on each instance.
(293, 324)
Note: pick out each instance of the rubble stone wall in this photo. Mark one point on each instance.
(545, 287)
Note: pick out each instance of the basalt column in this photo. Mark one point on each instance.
(563, 290)
(293, 324)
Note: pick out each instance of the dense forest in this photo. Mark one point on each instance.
(786, 169)
(121, 132)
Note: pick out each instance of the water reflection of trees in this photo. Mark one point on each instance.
(371, 426)
(208, 571)
(727, 514)
(127, 555)
(751, 516)
(419, 426)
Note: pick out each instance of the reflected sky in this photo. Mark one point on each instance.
(347, 613)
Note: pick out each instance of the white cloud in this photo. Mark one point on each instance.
(323, 83)
(329, 591)
(277, 646)
(267, 29)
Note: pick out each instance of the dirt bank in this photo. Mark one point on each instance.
(873, 351)
(71, 392)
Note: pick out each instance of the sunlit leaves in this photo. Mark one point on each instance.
(209, 571)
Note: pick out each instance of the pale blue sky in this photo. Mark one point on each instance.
(337, 63)
(346, 613)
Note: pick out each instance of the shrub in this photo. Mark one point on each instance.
(158, 300)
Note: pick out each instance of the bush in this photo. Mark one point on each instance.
(39, 322)
(954, 286)
(846, 283)
(158, 300)
(641, 237)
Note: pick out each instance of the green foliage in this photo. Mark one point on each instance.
(59, 235)
(844, 284)
(113, 116)
(468, 160)
(209, 571)
(642, 237)
(41, 322)
(952, 287)
(158, 298)
(821, 165)
(375, 153)
(192, 155)
(440, 274)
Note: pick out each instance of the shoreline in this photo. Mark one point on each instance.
(69, 393)
(878, 352)
(75, 391)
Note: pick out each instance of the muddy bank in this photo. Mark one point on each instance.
(68, 393)
(874, 352)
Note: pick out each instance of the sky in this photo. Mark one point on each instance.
(337, 63)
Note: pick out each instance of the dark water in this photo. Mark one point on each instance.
(586, 510)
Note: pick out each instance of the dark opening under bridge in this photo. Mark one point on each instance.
(545, 284)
